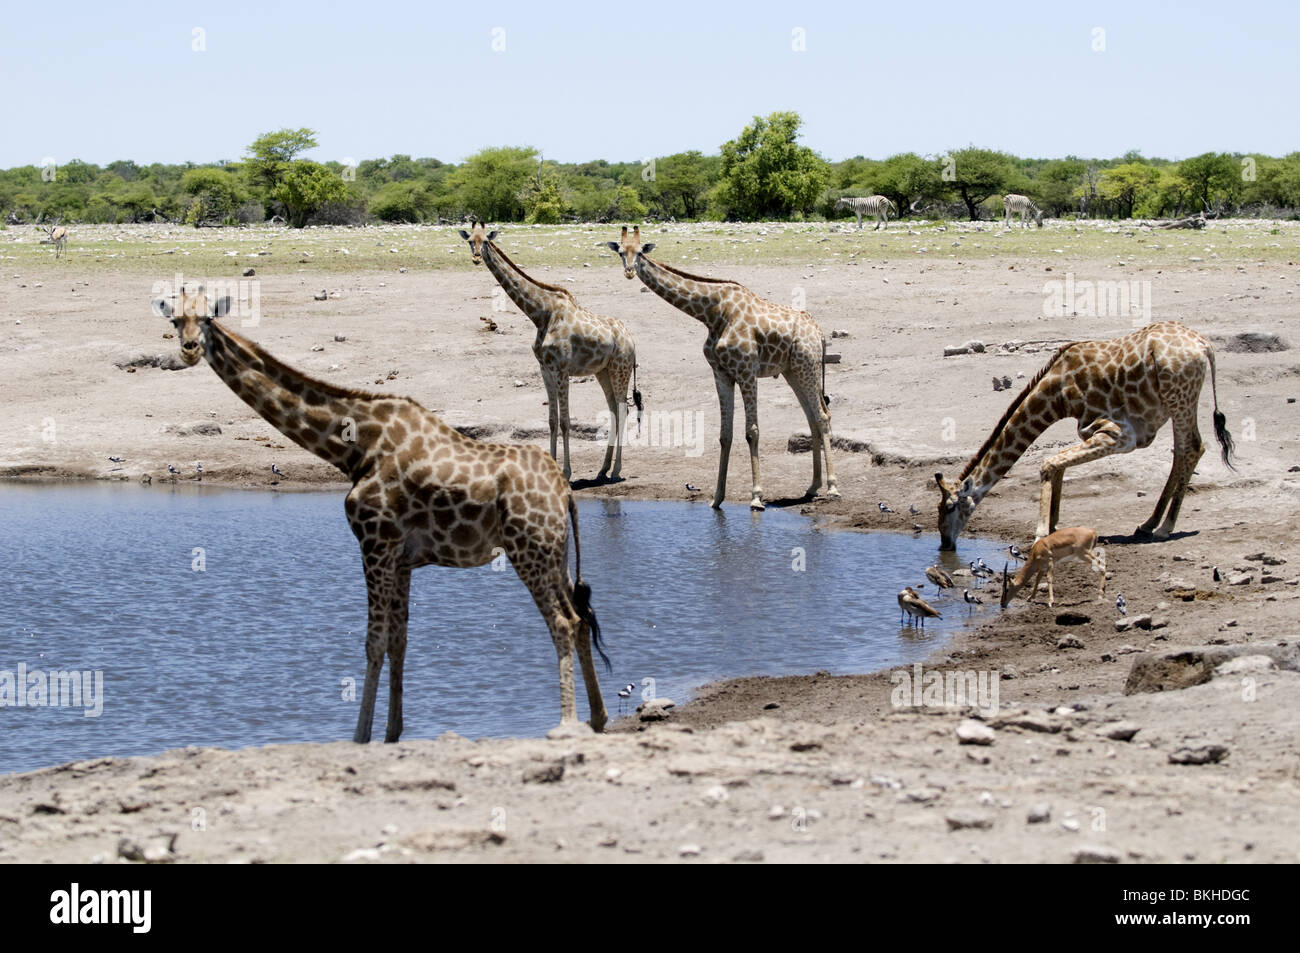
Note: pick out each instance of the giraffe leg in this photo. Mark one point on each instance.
(727, 408)
(615, 425)
(562, 388)
(595, 701)
(749, 394)
(819, 426)
(553, 408)
(381, 590)
(1058, 480)
(1107, 437)
(1188, 450)
(398, 614)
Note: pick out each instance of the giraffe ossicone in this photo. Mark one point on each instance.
(571, 342)
(1121, 391)
(422, 494)
(748, 338)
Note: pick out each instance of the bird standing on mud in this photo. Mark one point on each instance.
(971, 601)
(939, 576)
(884, 507)
(911, 603)
(1016, 554)
(1121, 604)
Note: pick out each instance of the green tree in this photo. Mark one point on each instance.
(1210, 178)
(681, 182)
(487, 184)
(767, 174)
(977, 174)
(271, 155)
(216, 195)
(400, 202)
(305, 188)
(1126, 184)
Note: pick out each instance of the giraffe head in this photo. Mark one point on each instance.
(628, 247)
(956, 504)
(190, 319)
(476, 236)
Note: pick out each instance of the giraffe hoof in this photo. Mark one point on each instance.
(756, 505)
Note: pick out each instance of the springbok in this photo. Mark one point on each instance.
(58, 234)
(1076, 542)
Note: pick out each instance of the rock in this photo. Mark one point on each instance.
(1240, 579)
(360, 854)
(1133, 622)
(689, 850)
(974, 347)
(1096, 855)
(1199, 753)
(544, 773)
(1069, 642)
(771, 706)
(318, 347)
(340, 338)
(1250, 342)
(321, 295)
(249, 272)
(657, 709)
(1245, 665)
(1127, 649)
(839, 333)
(158, 851)
(204, 428)
(749, 856)
(968, 820)
(1039, 814)
(1119, 730)
(1027, 720)
(972, 732)
(1182, 666)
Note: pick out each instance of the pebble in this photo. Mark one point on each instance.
(1069, 642)
(1096, 855)
(968, 820)
(1039, 814)
(689, 850)
(1119, 730)
(972, 732)
(1202, 753)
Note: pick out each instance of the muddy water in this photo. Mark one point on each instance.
(235, 618)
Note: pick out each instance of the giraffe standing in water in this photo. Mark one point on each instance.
(748, 338)
(422, 494)
(571, 342)
(1122, 392)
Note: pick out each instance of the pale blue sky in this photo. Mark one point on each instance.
(625, 80)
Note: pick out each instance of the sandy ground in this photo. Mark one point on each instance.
(854, 776)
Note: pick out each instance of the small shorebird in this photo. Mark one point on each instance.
(971, 601)
(173, 471)
(1016, 554)
(117, 459)
(198, 468)
(884, 507)
(939, 576)
(624, 694)
(276, 470)
(997, 383)
(980, 571)
(692, 488)
(1218, 576)
(912, 510)
(911, 603)
(1121, 604)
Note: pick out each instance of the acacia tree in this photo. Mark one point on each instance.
(767, 174)
(305, 188)
(1126, 184)
(488, 184)
(976, 174)
(1210, 175)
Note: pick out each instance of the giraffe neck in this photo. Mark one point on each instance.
(537, 300)
(701, 298)
(1035, 412)
(319, 417)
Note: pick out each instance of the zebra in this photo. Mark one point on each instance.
(1021, 204)
(877, 205)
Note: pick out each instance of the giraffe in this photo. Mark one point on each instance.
(1121, 391)
(748, 338)
(571, 342)
(422, 494)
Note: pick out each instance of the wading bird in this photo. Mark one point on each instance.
(911, 603)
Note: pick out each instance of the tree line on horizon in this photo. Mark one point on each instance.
(762, 174)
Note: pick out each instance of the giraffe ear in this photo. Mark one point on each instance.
(967, 487)
(162, 307)
(492, 234)
(614, 246)
(647, 248)
(464, 234)
(222, 307)
(943, 487)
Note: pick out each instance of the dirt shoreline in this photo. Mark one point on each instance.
(853, 776)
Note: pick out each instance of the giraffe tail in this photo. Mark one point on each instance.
(582, 591)
(1220, 421)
